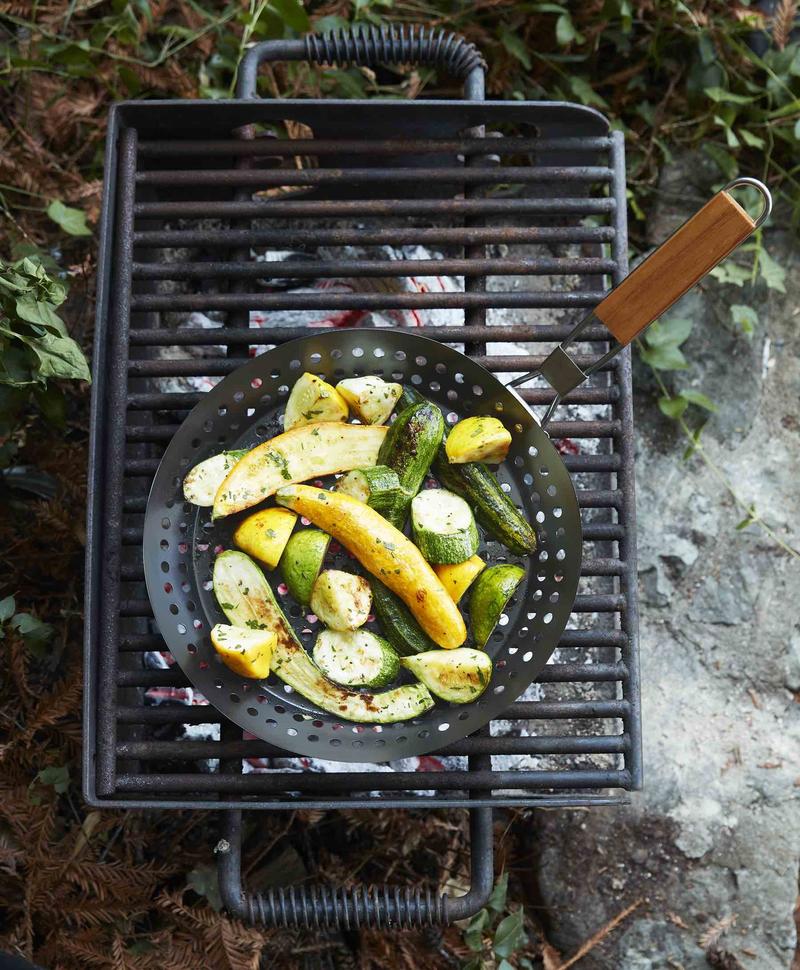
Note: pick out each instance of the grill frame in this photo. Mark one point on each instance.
(104, 784)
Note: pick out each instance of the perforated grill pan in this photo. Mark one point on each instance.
(246, 408)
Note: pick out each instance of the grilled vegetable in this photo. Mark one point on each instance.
(408, 450)
(313, 400)
(459, 676)
(247, 600)
(302, 561)
(371, 399)
(247, 652)
(490, 592)
(308, 452)
(263, 535)
(458, 577)
(397, 622)
(478, 439)
(201, 484)
(474, 482)
(378, 487)
(443, 526)
(341, 600)
(386, 553)
(356, 659)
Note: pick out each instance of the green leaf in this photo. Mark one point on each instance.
(55, 775)
(509, 935)
(720, 94)
(668, 332)
(203, 880)
(52, 404)
(497, 900)
(515, 46)
(504, 965)
(34, 632)
(474, 963)
(771, 272)
(672, 407)
(7, 607)
(664, 358)
(565, 30)
(584, 93)
(477, 926)
(754, 141)
(695, 438)
(36, 311)
(698, 398)
(745, 317)
(293, 14)
(725, 162)
(748, 520)
(71, 220)
(58, 357)
(730, 272)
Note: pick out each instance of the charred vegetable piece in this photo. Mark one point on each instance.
(371, 399)
(247, 600)
(301, 562)
(397, 621)
(313, 400)
(409, 449)
(443, 526)
(386, 553)
(341, 600)
(248, 653)
(378, 487)
(478, 439)
(459, 676)
(458, 577)
(474, 482)
(263, 535)
(295, 456)
(201, 484)
(490, 592)
(356, 659)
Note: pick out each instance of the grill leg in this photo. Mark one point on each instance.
(357, 906)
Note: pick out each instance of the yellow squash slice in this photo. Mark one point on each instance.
(263, 535)
(478, 439)
(305, 453)
(313, 400)
(457, 578)
(386, 553)
(246, 652)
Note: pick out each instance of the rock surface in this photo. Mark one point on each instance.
(712, 844)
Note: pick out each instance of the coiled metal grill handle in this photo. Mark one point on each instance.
(371, 46)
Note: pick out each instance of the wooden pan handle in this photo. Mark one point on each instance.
(674, 268)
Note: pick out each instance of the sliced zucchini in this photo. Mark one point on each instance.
(313, 400)
(247, 600)
(478, 439)
(397, 621)
(386, 553)
(474, 482)
(378, 487)
(356, 659)
(490, 592)
(247, 652)
(302, 560)
(371, 399)
(295, 456)
(263, 535)
(443, 525)
(341, 600)
(459, 676)
(201, 484)
(458, 577)
(409, 449)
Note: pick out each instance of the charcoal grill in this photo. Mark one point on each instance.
(489, 185)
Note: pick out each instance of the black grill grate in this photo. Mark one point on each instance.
(517, 207)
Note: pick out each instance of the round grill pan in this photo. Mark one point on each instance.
(180, 542)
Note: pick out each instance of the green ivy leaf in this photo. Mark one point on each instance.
(293, 14)
(730, 272)
(724, 161)
(203, 880)
(771, 272)
(7, 607)
(504, 965)
(509, 935)
(55, 775)
(754, 141)
(584, 93)
(720, 94)
(745, 317)
(699, 399)
(477, 926)
(664, 358)
(497, 900)
(669, 332)
(672, 407)
(72, 221)
(34, 632)
(515, 46)
(565, 30)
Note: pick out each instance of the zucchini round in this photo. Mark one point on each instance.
(490, 592)
(397, 621)
(201, 484)
(408, 449)
(356, 658)
(302, 560)
(341, 600)
(378, 487)
(458, 676)
(443, 525)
